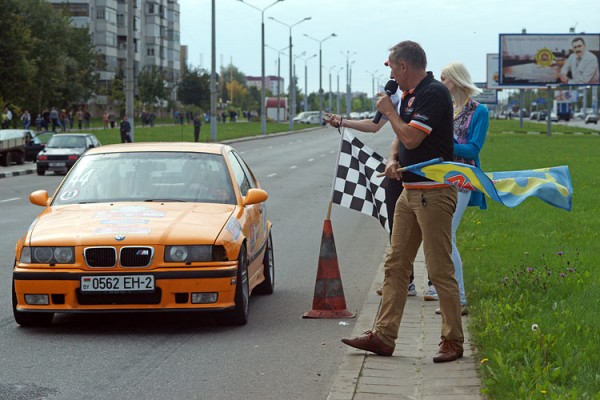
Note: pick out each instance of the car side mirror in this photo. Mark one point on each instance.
(255, 196)
(39, 198)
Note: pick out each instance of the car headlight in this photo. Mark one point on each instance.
(200, 253)
(48, 255)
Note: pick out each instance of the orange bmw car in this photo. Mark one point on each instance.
(147, 227)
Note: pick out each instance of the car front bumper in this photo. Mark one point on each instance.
(173, 290)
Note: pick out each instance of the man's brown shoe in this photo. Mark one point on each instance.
(449, 351)
(370, 342)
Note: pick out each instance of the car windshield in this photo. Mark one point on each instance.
(147, 176)
(63, 141)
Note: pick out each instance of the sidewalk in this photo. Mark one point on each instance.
(410, 373)
(16, 170)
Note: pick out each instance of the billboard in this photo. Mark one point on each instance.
(549, 59)
(493, 74)
(487, 96)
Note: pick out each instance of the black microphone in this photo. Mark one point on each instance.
(390, 88)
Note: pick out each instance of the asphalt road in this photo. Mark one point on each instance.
(278, 355)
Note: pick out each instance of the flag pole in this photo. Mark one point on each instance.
(337, 163)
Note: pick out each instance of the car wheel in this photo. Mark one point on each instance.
(29, 318)
(7, 160)
(20, 159)
(239, 314)
(41, 171)
(267, 286)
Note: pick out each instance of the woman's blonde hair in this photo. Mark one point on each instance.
(459, 75)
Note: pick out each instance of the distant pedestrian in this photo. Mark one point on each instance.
(105, 119)
(54, 119)
(197, 126)
(86, 118)
(63, 119)
(26, 119)
(80, 119)
(111, 119)
(125, 129)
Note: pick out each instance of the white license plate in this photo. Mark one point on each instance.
(117, 283)
(57, 164)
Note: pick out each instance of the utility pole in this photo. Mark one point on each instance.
(130, 67)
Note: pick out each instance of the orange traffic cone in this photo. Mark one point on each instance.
(328, 301)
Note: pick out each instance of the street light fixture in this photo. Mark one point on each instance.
(330, 69)
(263, 116)
(291, 93)
(320, 70)
(306, 81)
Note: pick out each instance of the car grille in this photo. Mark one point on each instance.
(101, 257)
(136, 256)
(119, 298)
(106, 257)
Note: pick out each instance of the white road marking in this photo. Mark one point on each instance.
(12, 199)
(311, 159)
(293, 167)
(271, 175)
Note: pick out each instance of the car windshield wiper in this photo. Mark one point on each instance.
(165, 200)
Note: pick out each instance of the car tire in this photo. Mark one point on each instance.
(41, 171)
(20, 160)
(240, 312)
(268, 285)
(29, 318)
(7, 160)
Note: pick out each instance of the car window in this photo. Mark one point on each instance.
(148, 176)
(64, 141)
(244, 179)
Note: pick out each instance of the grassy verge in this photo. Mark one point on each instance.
(532, 277)
(185, 133)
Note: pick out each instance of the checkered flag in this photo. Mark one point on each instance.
(356, 185)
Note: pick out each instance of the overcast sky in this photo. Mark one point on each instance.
(448, 30)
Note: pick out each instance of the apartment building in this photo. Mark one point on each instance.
(156, 38)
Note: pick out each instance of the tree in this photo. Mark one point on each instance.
(151, 86)
(45, 60)
(194, 88)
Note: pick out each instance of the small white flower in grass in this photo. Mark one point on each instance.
(535, 327)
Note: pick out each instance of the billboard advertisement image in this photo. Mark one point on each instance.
(549, 59)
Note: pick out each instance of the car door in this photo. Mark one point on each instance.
(255, 226)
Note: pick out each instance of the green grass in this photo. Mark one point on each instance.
(536, 264)
(185, 133)
(513, 125)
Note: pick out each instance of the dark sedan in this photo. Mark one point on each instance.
(63, 150)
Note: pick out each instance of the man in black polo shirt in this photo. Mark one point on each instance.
(424, 211)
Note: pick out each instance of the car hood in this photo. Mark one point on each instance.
(130, 223)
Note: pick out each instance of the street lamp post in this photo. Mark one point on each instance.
(320, 70)
(306, 81)
(291, 94)
(348, 79)
(337, 92)
(278, 77)
(263, 116)
(333, 67)
(372, 89)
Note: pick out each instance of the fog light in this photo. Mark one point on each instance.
(204, 298)
(37, 299)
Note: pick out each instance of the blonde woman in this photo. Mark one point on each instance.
(471, 122)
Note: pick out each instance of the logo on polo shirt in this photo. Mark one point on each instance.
(411, 101)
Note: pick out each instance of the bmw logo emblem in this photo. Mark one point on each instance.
(120, 237)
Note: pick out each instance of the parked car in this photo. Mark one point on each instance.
(63, 150)
(534, 116)
(36, 144)
(304, 116)
(147, 227)
(591, 119)
(554, 117)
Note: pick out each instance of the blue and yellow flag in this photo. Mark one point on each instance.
(551, 185)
